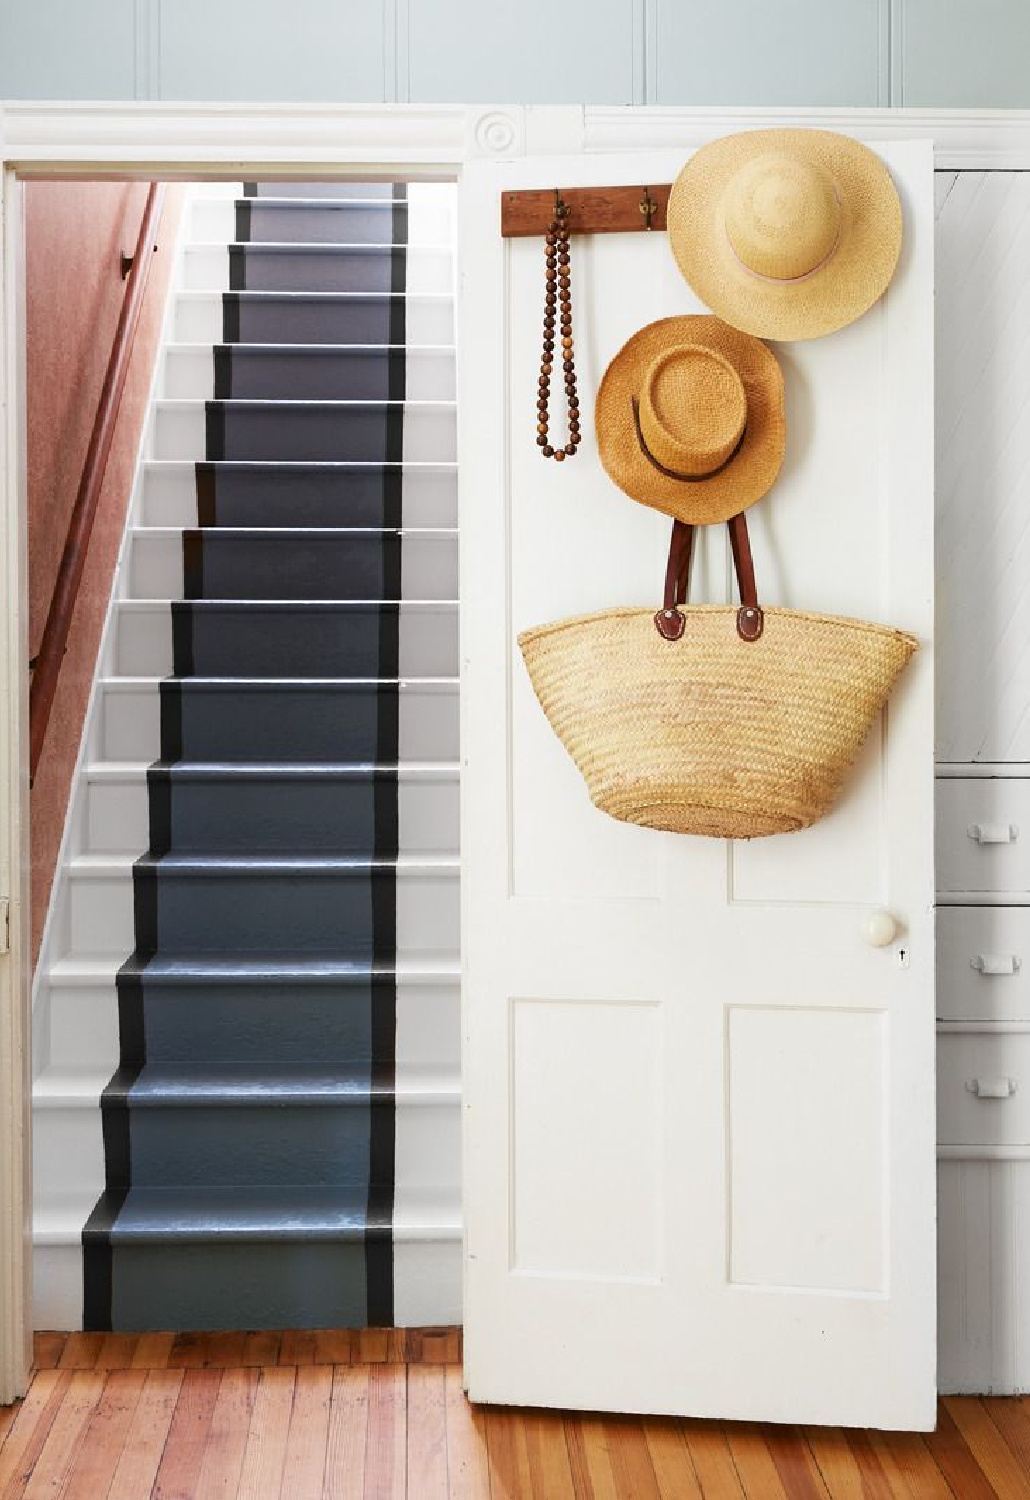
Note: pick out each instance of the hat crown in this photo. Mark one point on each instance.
(782, 215)
(693, 410)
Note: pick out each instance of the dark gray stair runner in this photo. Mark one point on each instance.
(249, 1131)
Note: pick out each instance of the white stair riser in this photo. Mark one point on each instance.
(101, 911)
(170, 496)
(427, 1284)
(67, 1150)
(428, 722)
(429, 565)
(84, 1027)
(427, 270)
(429, 222)
(427, 1290)
(198, 319)
(430, 432)
(143, 641)
(118, 816)
(428, 1144)
(188, 374)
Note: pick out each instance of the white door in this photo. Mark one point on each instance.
(699, 1151)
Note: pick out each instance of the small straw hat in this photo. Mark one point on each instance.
(787, 234)
(689, 418)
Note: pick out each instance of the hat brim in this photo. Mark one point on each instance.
(852, 278)
(751, 471)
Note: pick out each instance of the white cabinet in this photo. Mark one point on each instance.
(983, 785)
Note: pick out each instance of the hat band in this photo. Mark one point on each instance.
(672, 473)
(789, 280)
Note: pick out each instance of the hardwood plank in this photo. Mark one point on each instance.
(265, 1454)
(1011, 1416)
(308, 1440)
(468, 1458)
(47, 1349)
(438, 1347)
(334, 1346)
(226, 1444)
(141, 1456)
(298, 1347)
(93, 1468)
(387, 1419)
(62, 1445)
(713, 1464)
(190, 1351)
(909, 1466)
(753, 1462)
(547, 1453)
(990, 1450)
(510, 1477)
(372, 1346)
(838, 1465)
(630, 1460)
(30, 1430)
(81, 1351)
(795, 1465)
(952, 1456)
(348, 1433)
(874, 1479)
(7, 1416)
(427, 1432)
(670, 1459)
(262, 1348)
(117, 1351)
(403, 1346)
(187, 1438)
(592, 1471)
(153, 1351)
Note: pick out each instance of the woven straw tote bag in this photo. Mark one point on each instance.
(708, 719)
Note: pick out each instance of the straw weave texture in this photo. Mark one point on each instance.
(710, 734)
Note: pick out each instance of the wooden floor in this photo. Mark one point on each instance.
(298, 1415)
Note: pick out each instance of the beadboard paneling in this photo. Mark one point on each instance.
(63, 49)
(962, 53)
(983, 443)
(263, 49)
(582, 51)
(793, 52)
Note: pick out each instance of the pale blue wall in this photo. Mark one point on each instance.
(925, 52)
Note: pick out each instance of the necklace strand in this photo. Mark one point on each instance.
(556, 260)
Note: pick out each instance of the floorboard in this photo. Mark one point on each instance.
(334, 1414)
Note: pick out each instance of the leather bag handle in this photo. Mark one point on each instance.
(670, 620)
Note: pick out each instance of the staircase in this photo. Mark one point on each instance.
(246, 1033)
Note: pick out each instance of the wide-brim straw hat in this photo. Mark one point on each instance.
(689, 418)
(787, 234)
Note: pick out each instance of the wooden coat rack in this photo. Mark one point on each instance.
(592, 210)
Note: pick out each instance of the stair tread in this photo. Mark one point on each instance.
(303, 532)
(195, 293)
(303, 465)
(135, 770)
(254, 1212)
(186, 1083)
(250, 968)
(131, 681)
(194, 346)
(424, 606)
(238, 402)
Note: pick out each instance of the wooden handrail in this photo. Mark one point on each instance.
(54, 642)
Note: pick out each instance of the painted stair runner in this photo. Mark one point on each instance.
(249, 1132)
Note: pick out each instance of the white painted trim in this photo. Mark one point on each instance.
(191, 141)
(15, 1194)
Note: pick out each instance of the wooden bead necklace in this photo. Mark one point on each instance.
(556, 260)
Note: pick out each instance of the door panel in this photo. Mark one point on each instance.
(699, 1150)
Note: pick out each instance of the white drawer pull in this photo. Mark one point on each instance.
(993, 833)
(996, 963)
(992, 1088)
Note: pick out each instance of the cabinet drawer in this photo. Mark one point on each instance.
(983, 963)
(983, 835)
(983, 1089)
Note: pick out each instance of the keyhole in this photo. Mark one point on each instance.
(902, 958)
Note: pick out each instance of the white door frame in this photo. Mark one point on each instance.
(191, 142)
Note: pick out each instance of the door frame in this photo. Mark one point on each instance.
(196, 142)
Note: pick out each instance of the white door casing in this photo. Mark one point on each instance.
(699, 1149)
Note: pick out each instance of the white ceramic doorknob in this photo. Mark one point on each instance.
(879, 929)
